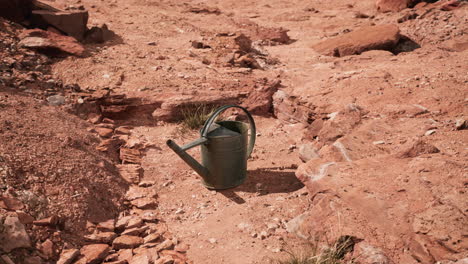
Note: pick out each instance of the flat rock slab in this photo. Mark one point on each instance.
(71, 23)
(50, 43)
(381, 37)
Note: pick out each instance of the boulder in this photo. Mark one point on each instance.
(392, 5)
(13, 235)
(68, 256)
(95, 253)
(381, 37)
(15, 10)
(50, 43)
(125, 241)
(71, 23)
(260, 101)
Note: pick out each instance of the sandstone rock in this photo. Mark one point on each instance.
(13, 235)
(49, 221)
(182, 247)
(50, 43)
(260, 101)
(56, 100)
(176, 256)
(125, 254)
(104, 132)
(135, 192)
(141, 259)
(244, 43)
(307, 152)
(165, 260)
(128, 155)
(150, 216)
(152, 238)
(418, 148)
(24, 218)
(124, 242)
(134, 222)
(72, 23)
(136, 231)
(15, 10)
(68, 256)
(381, 37)
(290, 109)
(99, 34)
(131, 173)
(47, 249)
(10, 203)
(95, 253)
(166, 244)
(146, 183)
(107, 226)
(392, 5)
(461, 124)
(144, 203)
(101, 237)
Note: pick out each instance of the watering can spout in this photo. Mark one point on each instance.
(194, 164)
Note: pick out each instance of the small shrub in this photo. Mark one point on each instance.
(314, 254)
(195, 116)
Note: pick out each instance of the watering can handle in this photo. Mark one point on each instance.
(211, 119)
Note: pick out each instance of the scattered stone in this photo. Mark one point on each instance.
(164, 260)
(154, 237)
(134, 221)
(145, 203)
(166, 244)
(141, 259)
(380, 142)
(430, 132)
(137, 231)
(260, 101)
(199, 45)
(95, 253)
(124, 242)
(24, 218)
(212, 240)
(182, 247)
(308, 152)
(47, 249)
(128, 155)
(68, 256)
(131, 173)
(49, 221)
(149, 216)
(56, 100)
(107, 226)
(461, 124)
(263, 235)
(146, 184)
(101, 237)
(10, 203)
(50, 43)
(99, 34)
(381, 37)
(419, 148)
(104, 132)
(125, 254)
(14, 233)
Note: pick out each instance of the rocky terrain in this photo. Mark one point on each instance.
(361, 114)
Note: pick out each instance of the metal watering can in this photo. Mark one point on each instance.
(224, 151)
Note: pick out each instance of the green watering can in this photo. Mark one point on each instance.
(225, 148)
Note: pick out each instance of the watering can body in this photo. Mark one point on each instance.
(225, 148)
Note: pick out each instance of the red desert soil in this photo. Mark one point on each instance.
(358, 135)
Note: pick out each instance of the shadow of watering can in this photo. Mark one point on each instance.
(225, 148)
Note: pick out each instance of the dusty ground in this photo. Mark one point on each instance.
(376, 105)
